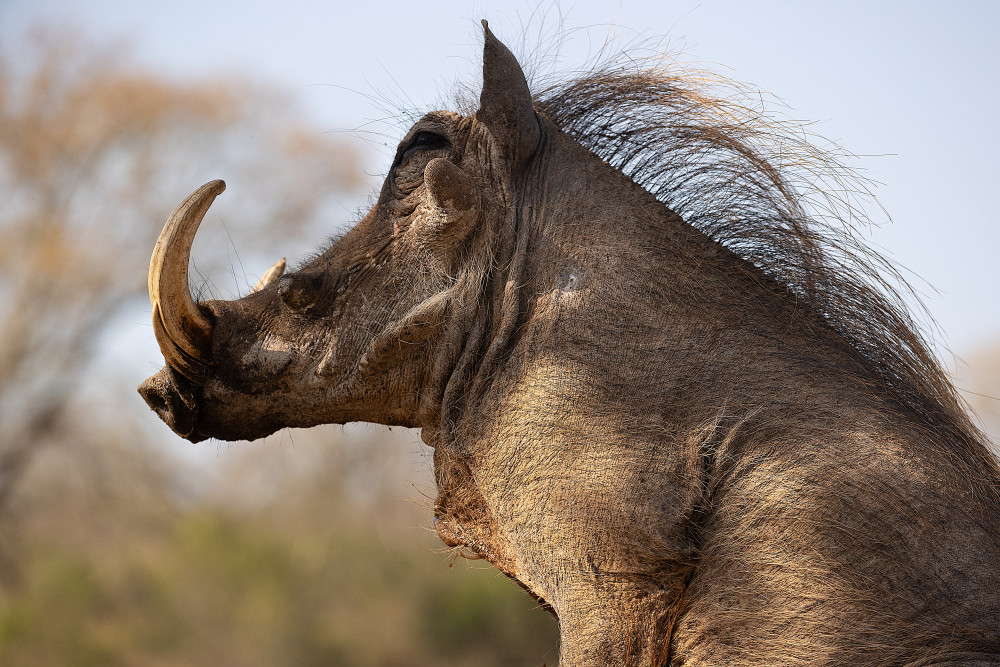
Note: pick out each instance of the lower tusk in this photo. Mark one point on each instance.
(175, 357)
(270, 275)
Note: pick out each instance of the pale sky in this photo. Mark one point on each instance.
(914, 83)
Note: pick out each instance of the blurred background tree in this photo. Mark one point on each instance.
(307, 548)
(979, 380)
(90, 155)
(310, 547)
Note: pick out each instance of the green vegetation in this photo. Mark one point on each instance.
(315, 577)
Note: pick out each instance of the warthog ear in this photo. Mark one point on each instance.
(505, 101)
(456, 197)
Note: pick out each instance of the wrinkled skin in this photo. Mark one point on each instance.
(602, 386)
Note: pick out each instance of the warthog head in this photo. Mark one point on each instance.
(365, 331)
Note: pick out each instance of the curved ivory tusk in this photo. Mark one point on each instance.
(270, 275)
(182, 330)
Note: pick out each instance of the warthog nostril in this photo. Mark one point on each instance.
(173, 399)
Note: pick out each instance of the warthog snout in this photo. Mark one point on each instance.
(174, 399)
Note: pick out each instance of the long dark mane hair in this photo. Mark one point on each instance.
(762, 187)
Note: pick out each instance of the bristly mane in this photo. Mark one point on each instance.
(762, 189)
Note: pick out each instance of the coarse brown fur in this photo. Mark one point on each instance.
(667, 392)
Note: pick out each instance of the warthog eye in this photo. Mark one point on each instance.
(422, 141)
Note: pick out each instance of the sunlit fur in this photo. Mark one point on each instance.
(756, 184)
(838, 506)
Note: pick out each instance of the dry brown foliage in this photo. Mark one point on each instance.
(92, 153)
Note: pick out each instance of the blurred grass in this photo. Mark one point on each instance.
(315, 577)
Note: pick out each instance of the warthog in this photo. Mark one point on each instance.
(684, 415)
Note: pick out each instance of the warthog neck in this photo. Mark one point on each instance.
(649, 433)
